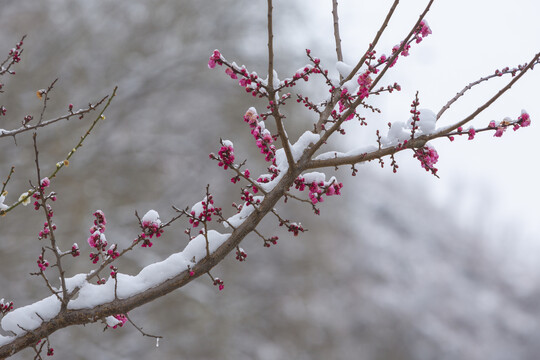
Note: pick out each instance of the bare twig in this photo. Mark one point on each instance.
(374, 42)
(336, 32)
(45, 95)
(7, 180)
(141, 330)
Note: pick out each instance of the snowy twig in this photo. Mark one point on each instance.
(141, 330)
(492, 99)
(486, 78)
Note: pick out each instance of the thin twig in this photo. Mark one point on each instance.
(52, 238)
(468, 87)
(374, 42)
(7, 180)
(45, 96)
(141, 330)
(272, 92)
(270, 51)
(337, 38)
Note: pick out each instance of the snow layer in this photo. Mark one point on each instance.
(238, 219)
(151, 217)
(297, 149)
(90, 295)
(400, 131)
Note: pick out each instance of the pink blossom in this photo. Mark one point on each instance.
(122, 320)
(499, 132)
(44, 182)
(471, 133)
(214, 59)
(428, 157)
(492, 124)
(524, 119)
(231, 73)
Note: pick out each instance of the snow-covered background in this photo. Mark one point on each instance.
(402, 266)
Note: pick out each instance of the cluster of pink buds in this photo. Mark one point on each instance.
(50, 351)
(428, 157)
(272, 241)
(241, 255)
(263, 137)
(97, 238)
(15, 53)
(43, 234)
(523, 120)
(75, 251)
(249, 198)
(422, 31)
(122, 320)
(246, 175)
(203, 211)
(42, 263)
(45, 182)
(364, 80)
(113, 252)
(3, 110)
(5, 307)
(292, 227)
(218, 282)
(151, 225)
(344, 103)
(215, 58)
(318, 189)
(114, 271)
(225, 155)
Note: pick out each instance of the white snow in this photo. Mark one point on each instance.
(2, 205)
(336, 154)
(315, 177)
(151, 217)
(112, 321)
(400, 131)
(343, 68)
(198, 208)
(30, 317)
(303, 142)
